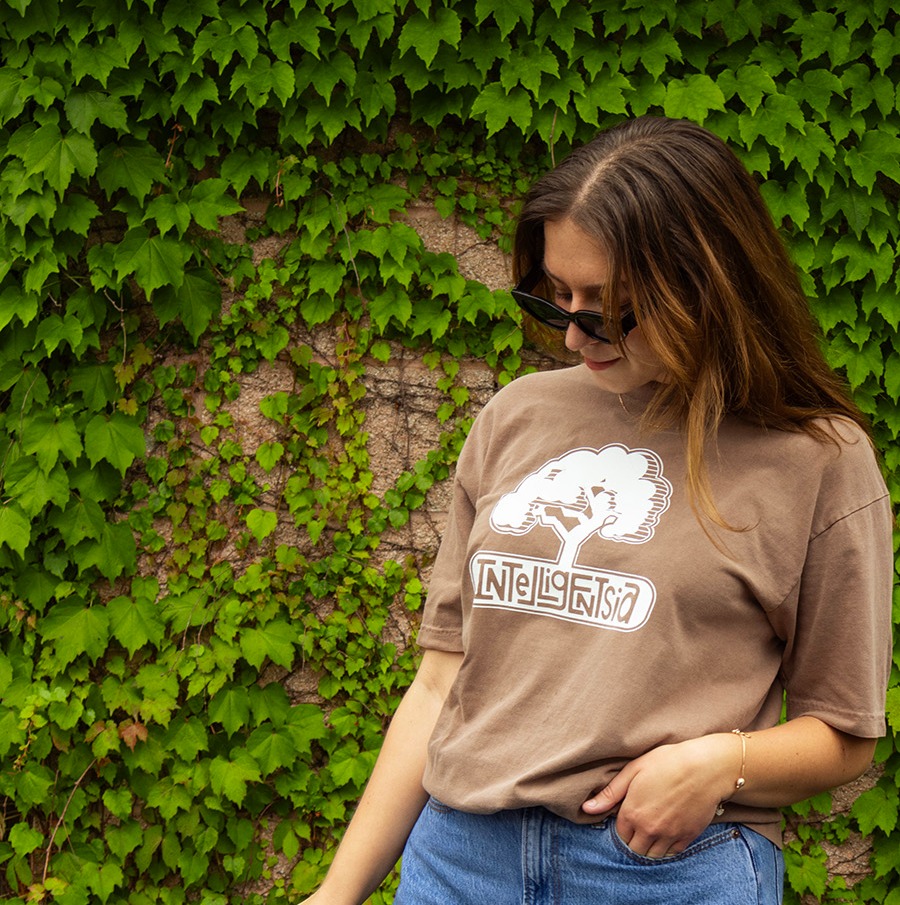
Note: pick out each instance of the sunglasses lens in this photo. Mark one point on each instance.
(542, 310)
(590, 323)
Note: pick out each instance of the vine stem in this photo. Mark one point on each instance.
(62, 818)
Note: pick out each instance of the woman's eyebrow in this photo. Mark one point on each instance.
(596, 288)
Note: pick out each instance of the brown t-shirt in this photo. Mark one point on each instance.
(599, 621)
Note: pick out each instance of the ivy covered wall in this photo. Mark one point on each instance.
(205, 618)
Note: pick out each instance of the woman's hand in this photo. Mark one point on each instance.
(668, 796)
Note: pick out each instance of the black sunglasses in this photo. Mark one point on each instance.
(591, 323)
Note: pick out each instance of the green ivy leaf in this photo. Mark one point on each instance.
(268, 455)
(271, 749)
(76, 629)
(15, 530)
(499, 107)
(876, 808)
(839, 305)
(29, 205)
(81, 518)
(863, 260)
(209, 201)
(160, 693)
(131, 165)
(304, 31)
(168, 797)
(893, 694)
(119, 802)
(33, 785)
(693, 98)
(188, 738)
(98, 59)
(425, 33)
(884, 49)
(858, 363)
(817, 32)
(230, 777)
(318, 309)
(134, 622)
(805, 874)
(96, 383)
(154, 261)
(885, 301)
(58, 157)
(231, 708)
(275, 640)
(507, 14)
(54, 330)
(430, 315)
(878, 152)
(23, 839)
(602, 96)
(261, 523)
(169, 212)
(786, 201)
(47, 438)
(390, 304)
(113, 553)
(16, 303)
(84, 108)
(526, 67)
(306, 724)
(195, 302)
(103, 879)
(274, 341)
(76, 214)
(771, 121)
(654, 51)
(753, 83)
(32, 488)
(116, 439)
(325, 277)
(193, 94)
(346, 767)
(124, 838)
(376, 96)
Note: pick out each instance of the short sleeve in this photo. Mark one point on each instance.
(442, 622)
(838, 657)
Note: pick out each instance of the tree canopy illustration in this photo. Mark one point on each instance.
(614, 492)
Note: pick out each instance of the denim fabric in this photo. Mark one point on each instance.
(533, 857)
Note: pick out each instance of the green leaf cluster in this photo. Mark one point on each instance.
(166, 578)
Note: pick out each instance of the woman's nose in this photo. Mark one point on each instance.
(576, 339)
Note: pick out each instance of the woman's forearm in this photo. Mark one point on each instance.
(795, 760)
(668, 795)
(394, 796)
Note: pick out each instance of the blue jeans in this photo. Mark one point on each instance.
(533, 857)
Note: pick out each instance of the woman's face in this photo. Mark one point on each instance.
(576, 268)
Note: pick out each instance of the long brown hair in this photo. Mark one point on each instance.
(684, 227)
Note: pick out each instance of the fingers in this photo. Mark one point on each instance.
(611, 795)
(652, 847)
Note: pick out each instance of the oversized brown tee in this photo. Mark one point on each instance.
(599, 621)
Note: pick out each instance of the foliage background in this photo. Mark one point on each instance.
(162, 571)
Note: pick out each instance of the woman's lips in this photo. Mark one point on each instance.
(599, 365)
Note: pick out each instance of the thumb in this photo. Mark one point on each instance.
(609, 797)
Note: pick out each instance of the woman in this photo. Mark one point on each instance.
(646, 553)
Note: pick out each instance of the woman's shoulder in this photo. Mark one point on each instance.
(841, 458)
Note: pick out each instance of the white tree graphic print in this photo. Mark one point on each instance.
(615, 492)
